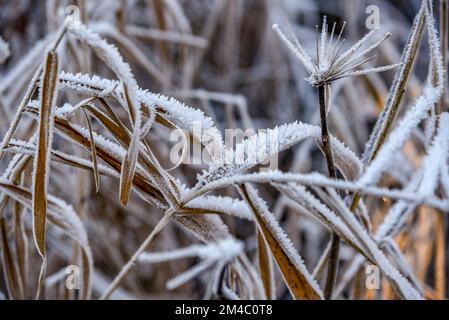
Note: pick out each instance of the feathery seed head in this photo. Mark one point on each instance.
(330, 62)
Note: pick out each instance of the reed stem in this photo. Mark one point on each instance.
(327, 150)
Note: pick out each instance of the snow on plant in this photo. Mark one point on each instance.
(88, 178)
(219, 253)
(330, 63)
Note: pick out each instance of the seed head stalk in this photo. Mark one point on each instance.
(325, 139)
(327, 150)
(331, 64)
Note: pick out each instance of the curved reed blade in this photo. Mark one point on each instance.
(48, 95)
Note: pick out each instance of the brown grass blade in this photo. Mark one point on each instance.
(72, 134)
(397, 90)
(113, 123)
(130, 162)
(41, 165)
(145, 158)
(265, 267)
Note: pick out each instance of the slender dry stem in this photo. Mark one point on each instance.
(335, 239)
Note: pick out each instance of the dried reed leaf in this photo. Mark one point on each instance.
(265, 267)
(129, 163)
(48, 94)
(397, 90)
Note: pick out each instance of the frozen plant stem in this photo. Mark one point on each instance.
(325, 139)
(332, 267)
(326, 146)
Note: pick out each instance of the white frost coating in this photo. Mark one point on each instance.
(219, 253)
(372, 70)
(436, 157)
(233, 207)
(316, 179)
(431, 94)
(282, 237)
(392, 223)
(329, 64)
(180, 114)
(323, 43)
(407, 55)
(259, 148)
(188, 119)
(23, 147)
(419, 184)
(399, 136)
(188, 275)
(87, 84)
(111, 147)
(400, 259)
(66, 215)
(224, 251)
(184, 116)
(298, 50)
(11, 165)
(65, 110)
(111, 56)
(29, 148)
(402, 284)
(356, 46)
(399, 212)
(177, 110)
(299, 194)
(62, 112)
